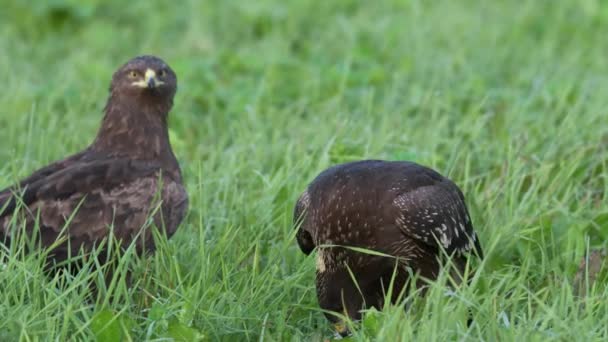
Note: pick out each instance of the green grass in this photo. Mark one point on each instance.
(509, 99)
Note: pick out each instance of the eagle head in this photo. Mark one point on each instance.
(144, 79)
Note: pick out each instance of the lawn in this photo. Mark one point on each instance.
(509, 99)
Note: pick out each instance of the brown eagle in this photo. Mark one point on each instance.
(126, 179)
(399, 209)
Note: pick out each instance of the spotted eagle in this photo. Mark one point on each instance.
(407, 214)
(125, 180)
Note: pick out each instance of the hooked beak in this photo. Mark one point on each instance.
(150, 78)
(341, 328)
(151, 82)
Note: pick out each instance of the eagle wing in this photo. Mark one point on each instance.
(90, 197)
(436, 214)
(42, 173)
(78, 177)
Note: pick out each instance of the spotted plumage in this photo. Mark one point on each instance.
(399, 209)
(127, 179)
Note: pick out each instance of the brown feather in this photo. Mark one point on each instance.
(404, 211)
(116, 183)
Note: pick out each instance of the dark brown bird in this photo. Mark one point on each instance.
(400, 209)
(119, 181)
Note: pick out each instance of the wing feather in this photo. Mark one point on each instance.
(79, 177)
(92, 196)
(437, 216)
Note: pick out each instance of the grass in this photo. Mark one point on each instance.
(508, 99)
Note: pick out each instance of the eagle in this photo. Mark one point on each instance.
(372, 220)
(127, 180)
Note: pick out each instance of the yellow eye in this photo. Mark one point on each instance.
(133, 74)
(161, 72)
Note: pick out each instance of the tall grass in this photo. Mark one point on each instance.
(506, 98)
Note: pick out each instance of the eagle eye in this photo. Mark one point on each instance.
(161, 72)
(133, 74)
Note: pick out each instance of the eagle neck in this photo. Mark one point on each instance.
(136, 131)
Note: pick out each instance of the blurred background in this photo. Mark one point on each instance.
(507, 98)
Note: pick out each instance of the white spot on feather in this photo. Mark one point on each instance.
(320, 261)
(444, 241)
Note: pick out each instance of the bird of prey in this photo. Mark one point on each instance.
(125, 180)
(398, 209)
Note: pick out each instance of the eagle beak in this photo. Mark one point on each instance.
(341, 328)
(150, 79)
